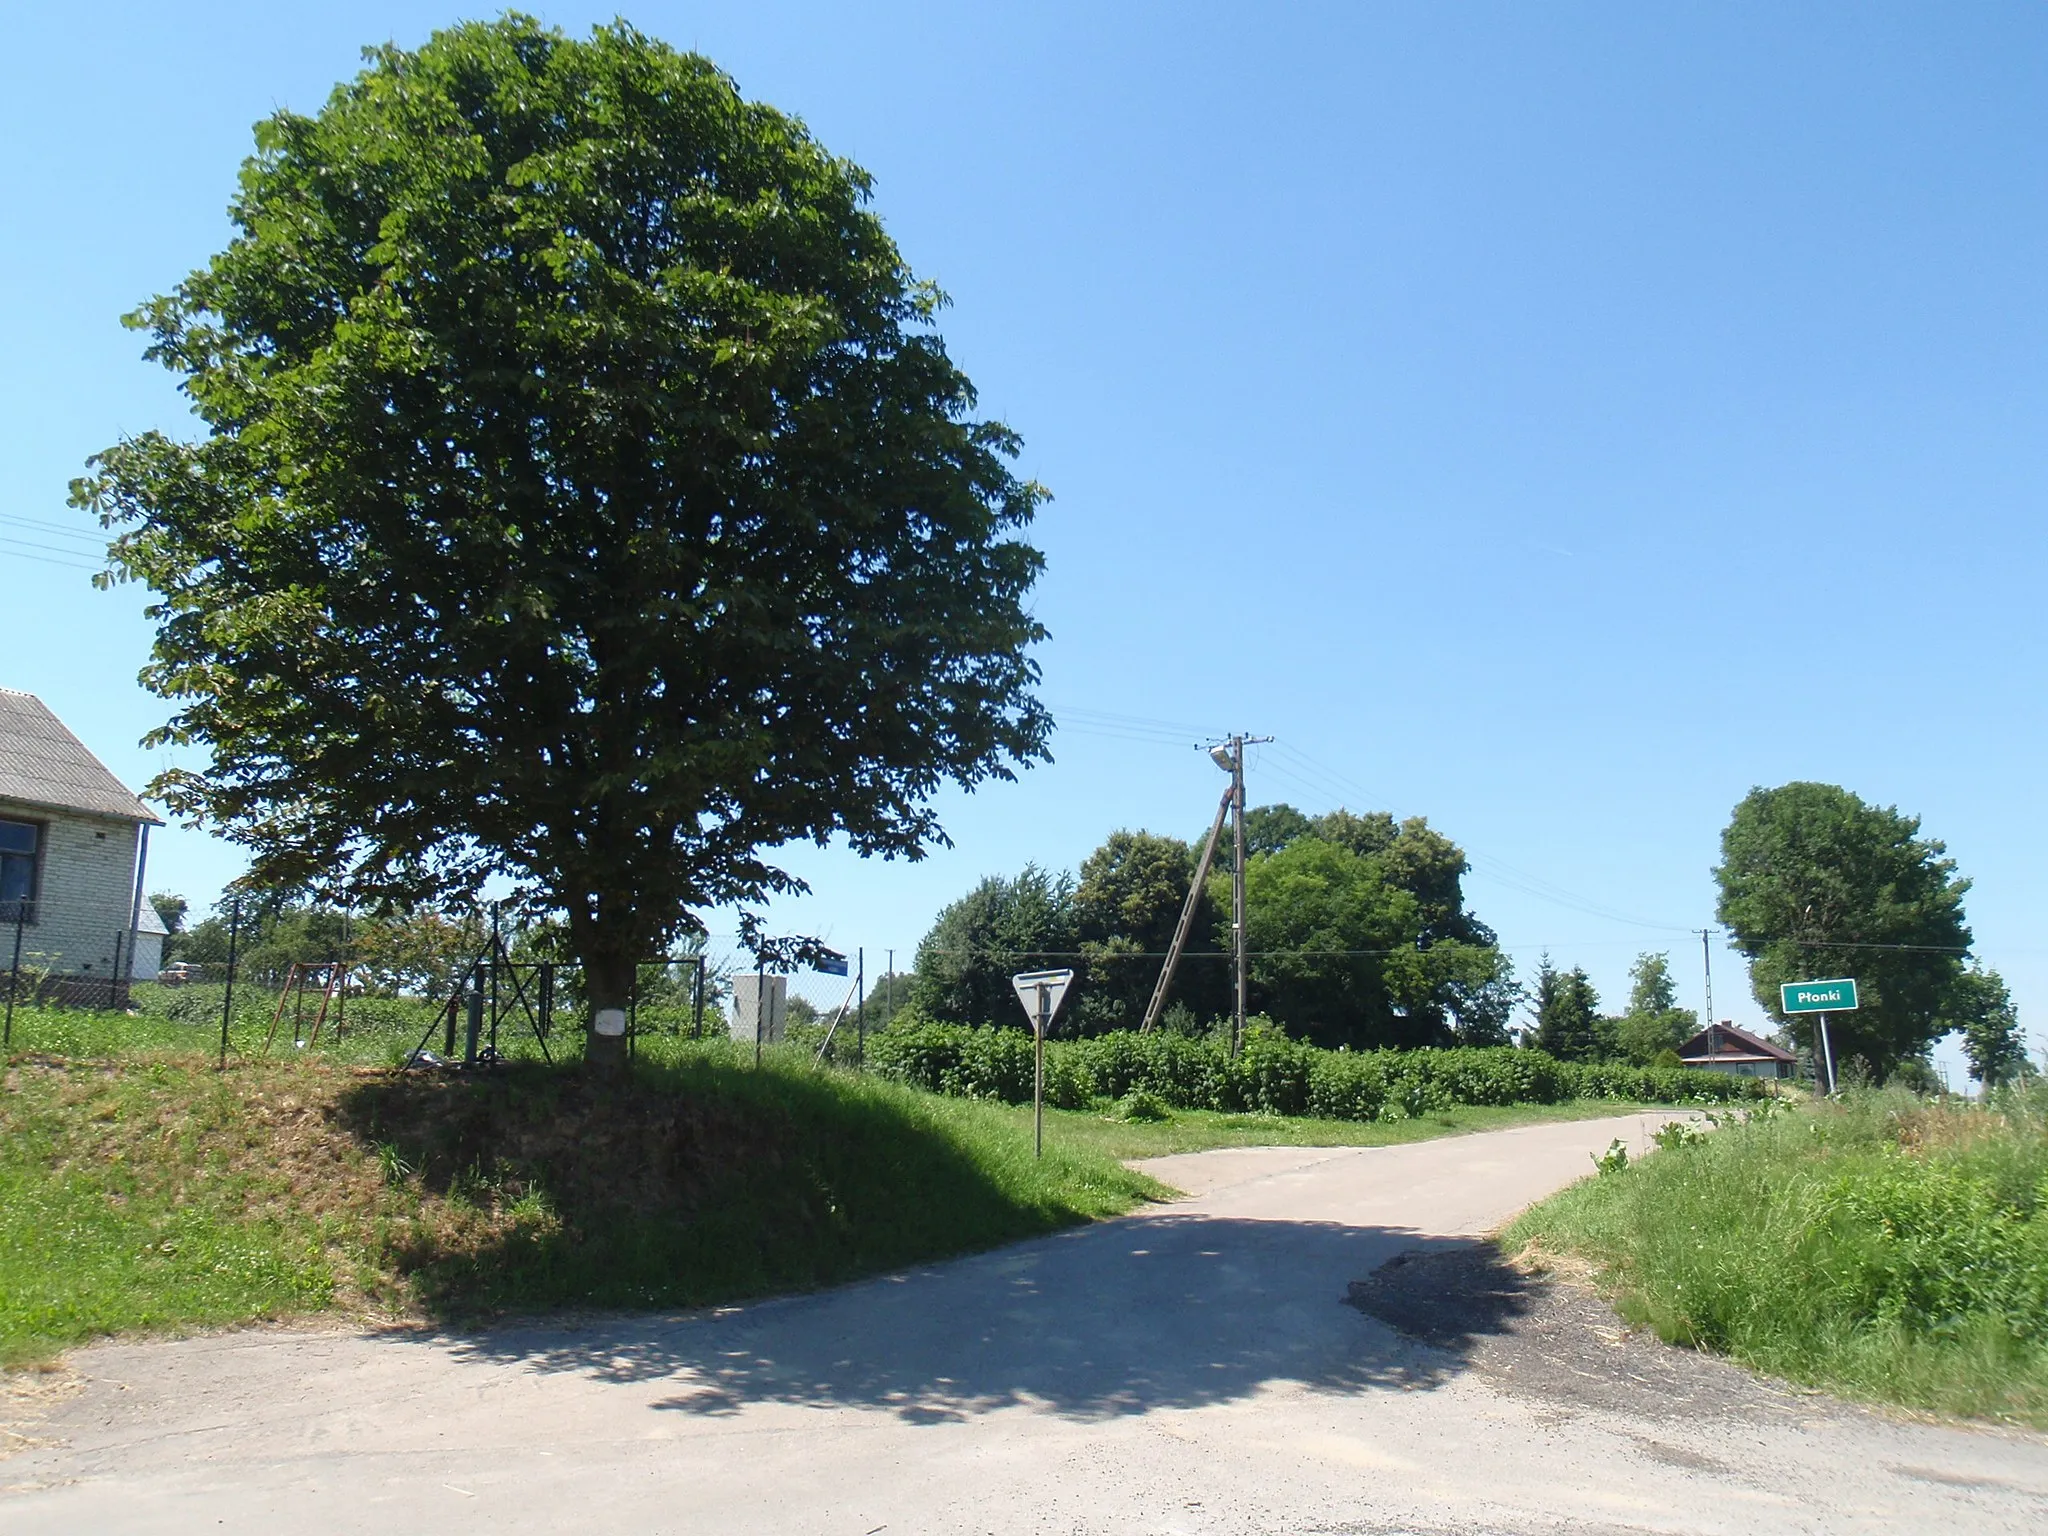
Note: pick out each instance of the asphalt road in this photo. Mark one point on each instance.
(1191, 1369)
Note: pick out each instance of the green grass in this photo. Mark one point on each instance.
(156, 1193)
(1102, 1131)
(140, 1189)
(1883, 1248)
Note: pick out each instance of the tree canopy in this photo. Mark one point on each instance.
(1816, 884)
(1356, 924)
(1981, 1008)
(584, 497)
(1654, 1022)
(1567, 1013)
(1000, 927)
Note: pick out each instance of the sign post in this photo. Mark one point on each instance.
(1040, 992)
(1820, 998)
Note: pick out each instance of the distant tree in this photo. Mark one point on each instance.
(1002, 926)
(1269, 828)
(422, 952)
(1981, 1008)
(1654, 1022)
(1126, 907)
(1330, 938)
(172, 909)
(1567, 1014)
(584, 497)
(1369, 835)
(1815, 883)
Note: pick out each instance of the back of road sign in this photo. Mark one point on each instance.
(1837, 996)
(1028, 984)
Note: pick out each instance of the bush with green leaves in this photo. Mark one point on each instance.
(1270, 1075)
(1882, 1244)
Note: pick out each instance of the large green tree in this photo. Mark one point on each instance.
(1344, 953)
(1981, 1009)
(1126, 906)
(1567, 1009)
(1654, 1022)
(584, 497)
(1815, 883)
(1001, 927)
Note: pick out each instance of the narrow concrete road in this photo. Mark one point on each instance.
(1192, 1369)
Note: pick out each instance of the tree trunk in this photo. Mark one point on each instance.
(608, 988)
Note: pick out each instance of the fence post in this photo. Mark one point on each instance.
(697, 1031)
(227, 1002)
(476, 1021)
(494, 979)
(14, 978)
(114, 981)
(860, 1007)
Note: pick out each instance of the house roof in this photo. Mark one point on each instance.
(1724, 1042)
(149, 920)
(42, 763)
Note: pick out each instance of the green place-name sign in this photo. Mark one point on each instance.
(1837, 996)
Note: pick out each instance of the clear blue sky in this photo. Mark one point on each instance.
(1552, 420)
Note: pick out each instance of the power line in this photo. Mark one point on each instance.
(21, 554)
(42, 526)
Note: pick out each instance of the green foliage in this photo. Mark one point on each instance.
(1982, 1009)
(583, 497)
(1654, 1023)
(1273, 1074)
(1614, 1159)
(1357, 926)
(1881, 1246)
(1815, 883)
(1141, 1108)
(1269, 828)
(161, 1194)
(1126, 907)
(1000, 927)
(1568, 1023)
(1333, 942)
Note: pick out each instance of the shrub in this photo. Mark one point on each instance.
(1272, 1075)
(1889, 1247)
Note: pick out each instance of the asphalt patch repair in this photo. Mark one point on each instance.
(1541, 1336)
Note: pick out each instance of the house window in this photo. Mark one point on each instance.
(18, 845)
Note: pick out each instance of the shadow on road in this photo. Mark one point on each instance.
(1158, 1312)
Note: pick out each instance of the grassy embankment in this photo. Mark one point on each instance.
(1884, 1248)
(157, 1193)
(141, 1189)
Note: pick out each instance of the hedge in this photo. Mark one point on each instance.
(1272, 1075)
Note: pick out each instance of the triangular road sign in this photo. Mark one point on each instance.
(1030, 983)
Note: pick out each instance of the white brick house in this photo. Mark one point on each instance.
(74, 845)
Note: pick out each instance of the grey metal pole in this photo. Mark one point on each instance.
(227, 1002)
(1038, 1075)
(14, 978)
(1707, 970)
(760, 1010)
(474, 1027)
(495, 943)
(1827, 1052)
(697, 1028)
(860, 1010)
(1237, 888)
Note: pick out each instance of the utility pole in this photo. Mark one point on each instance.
(1229, 756)
(1707, 964)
